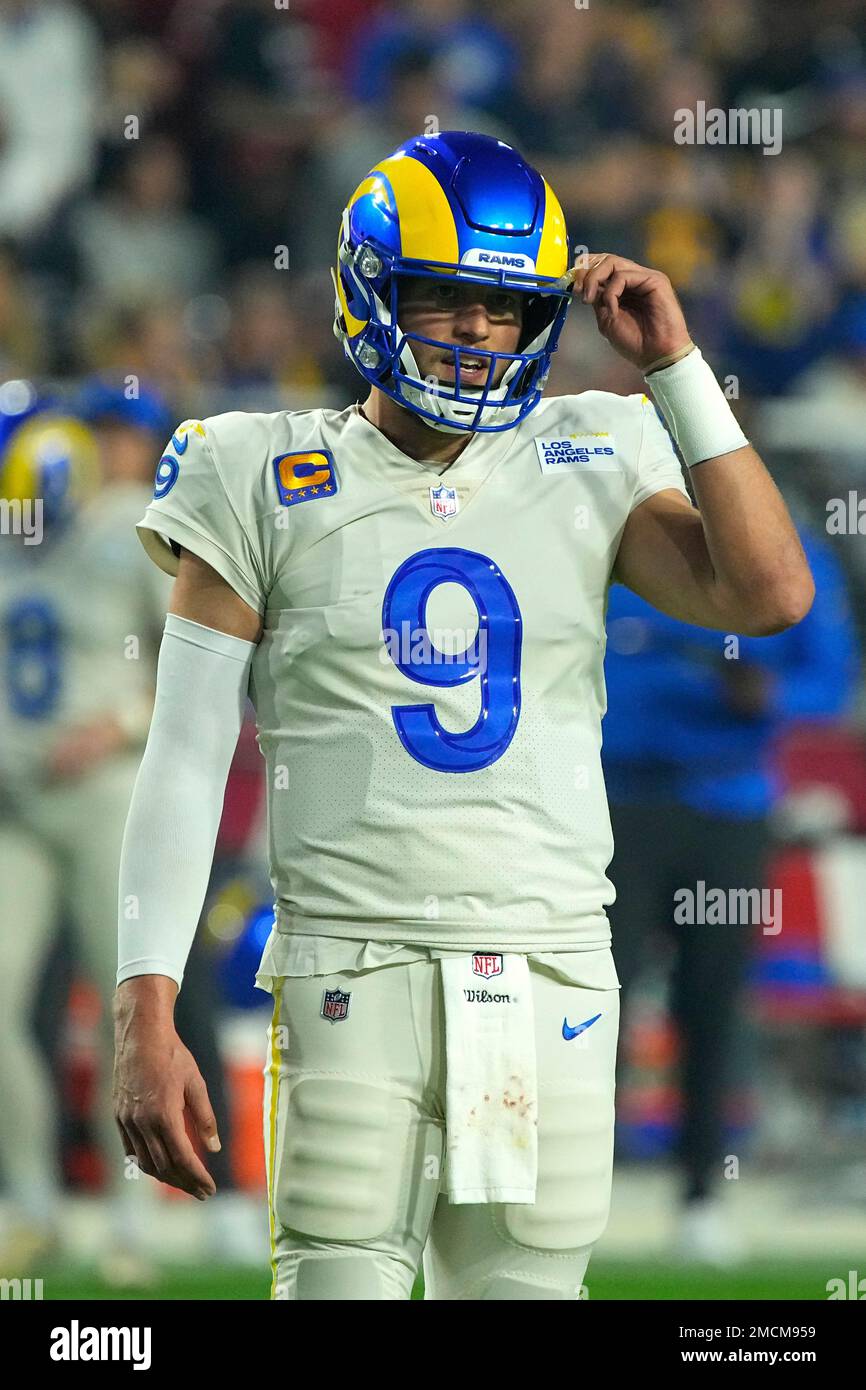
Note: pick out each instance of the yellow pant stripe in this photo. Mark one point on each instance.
(274, 1074)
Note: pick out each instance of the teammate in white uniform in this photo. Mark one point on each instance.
(416, 591)
(79, 617)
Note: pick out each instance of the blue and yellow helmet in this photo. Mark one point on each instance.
(47, 456)
(466, 206)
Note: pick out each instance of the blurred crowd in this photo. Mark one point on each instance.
(172, 174)
(177, 219)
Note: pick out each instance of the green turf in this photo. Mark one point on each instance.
(607, 1280)
(173, 1282)
(759, 1280)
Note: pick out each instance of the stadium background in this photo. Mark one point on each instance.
(171, 178)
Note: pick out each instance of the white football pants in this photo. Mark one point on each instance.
(58, 849)
(354, 1123)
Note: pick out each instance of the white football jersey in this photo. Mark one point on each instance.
(80, 619)
(428, 686)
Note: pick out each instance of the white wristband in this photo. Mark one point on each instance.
(696, 410)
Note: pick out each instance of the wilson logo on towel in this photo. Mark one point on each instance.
(483, 996)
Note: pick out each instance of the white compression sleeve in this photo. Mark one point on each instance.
(177, 800)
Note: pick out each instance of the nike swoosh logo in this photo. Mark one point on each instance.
(569, 1033)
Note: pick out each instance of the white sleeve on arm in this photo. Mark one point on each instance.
(177, 801)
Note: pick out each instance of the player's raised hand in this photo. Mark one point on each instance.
(156, 1081)
(636, 308)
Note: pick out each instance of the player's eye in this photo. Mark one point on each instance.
(504, 303)
(444, 294)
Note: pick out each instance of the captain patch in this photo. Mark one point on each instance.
(573, 453)
(304, 477)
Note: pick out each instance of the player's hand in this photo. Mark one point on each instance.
(84, 746)
(636, 308)
(156, 1081)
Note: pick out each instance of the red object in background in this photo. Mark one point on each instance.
(653, 1042)
(815, 755)
(83, 1163)
(245, 789)
(245, 1085)
(802, 940)
(335, 25)
(792, 872)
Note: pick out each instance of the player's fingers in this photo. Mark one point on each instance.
(189, 1172)
(158, 1156)
(202, 1112)
(139, 1147)
(608, 302)
(128, 1146)
(598, 276)
(584, 267)
(637, 277)
(583, 264)
(128, 1150)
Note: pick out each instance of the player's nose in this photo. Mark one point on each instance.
(471, 323)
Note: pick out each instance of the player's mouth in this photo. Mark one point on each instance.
(473, 368)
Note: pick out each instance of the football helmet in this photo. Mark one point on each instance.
(468, 207)
(46, 454)
(102, 399)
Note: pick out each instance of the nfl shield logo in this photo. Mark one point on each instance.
(485, 964)
(443, 501)
(335, 1005)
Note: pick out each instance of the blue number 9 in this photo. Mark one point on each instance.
(166, 475)
(494, 659)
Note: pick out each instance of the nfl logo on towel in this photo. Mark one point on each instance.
(485, 965)
(335, 1005)
(443, 501)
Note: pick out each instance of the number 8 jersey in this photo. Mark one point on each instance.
(428, 687)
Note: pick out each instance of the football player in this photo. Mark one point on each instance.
(414, 590)
(79, 618)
